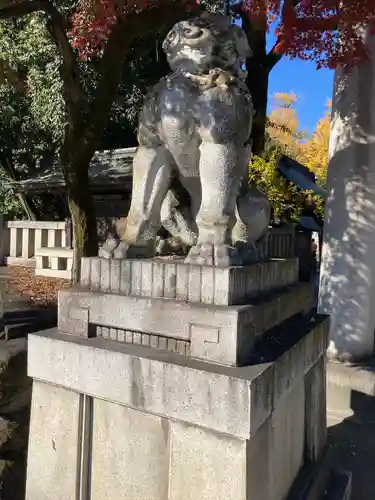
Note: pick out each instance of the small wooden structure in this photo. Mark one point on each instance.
(110, 176)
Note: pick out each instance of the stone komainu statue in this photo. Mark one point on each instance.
(194, 130)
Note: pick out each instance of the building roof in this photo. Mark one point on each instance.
(107, 169)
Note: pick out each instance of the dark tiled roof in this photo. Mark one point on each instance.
(107, 168)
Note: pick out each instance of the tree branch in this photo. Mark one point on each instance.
(273, 57)
(69, 70)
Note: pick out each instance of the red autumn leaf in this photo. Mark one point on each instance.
(328, 32)
(307, 29)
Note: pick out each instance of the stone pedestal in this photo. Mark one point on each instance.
(347, 286)
(165, 381)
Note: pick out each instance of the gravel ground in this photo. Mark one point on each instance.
(39, 290)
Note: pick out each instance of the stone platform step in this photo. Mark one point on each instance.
(18, 324)
(322, 481)
(293, 350)
(351, 391)
(339, 486)
(175, 280)
(222, 334)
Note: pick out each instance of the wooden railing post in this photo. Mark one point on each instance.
(25, 237)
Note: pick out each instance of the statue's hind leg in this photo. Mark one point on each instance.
(152, 169)
(250, 233)
(177, 220)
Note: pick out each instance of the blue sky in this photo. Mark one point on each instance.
(312, 87)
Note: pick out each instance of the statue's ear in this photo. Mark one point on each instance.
(205, 15)
(242, 45)
(170, 40)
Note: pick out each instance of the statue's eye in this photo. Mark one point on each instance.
(192, 31)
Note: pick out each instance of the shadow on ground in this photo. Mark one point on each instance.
(352, 445)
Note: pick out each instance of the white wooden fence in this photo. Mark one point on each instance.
(45, 246)
(39, 244)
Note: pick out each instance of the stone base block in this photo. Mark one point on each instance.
(216, 333)
(133, 423)
(57, 410)
(175, 280)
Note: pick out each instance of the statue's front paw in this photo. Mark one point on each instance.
(107, 250)
(121, 251)
(213, 255)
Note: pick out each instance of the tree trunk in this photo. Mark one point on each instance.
(81, 207)
(257, 78)
(257, 82)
